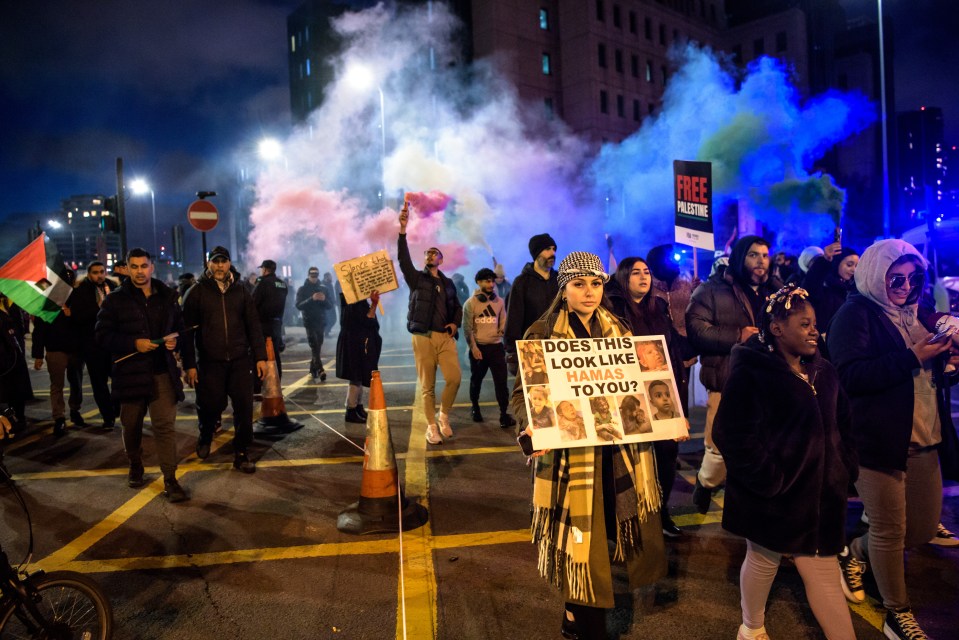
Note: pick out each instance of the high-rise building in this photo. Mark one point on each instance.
(922, 165)
(86, 231)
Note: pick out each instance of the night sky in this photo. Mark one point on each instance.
(183, 90)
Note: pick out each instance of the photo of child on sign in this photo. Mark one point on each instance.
(599, 391)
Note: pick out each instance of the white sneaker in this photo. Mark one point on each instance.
(745, 633)
(444, 422)
(433, 434)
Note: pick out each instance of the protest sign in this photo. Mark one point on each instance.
(597, 391)
(693, 189)
(359, 277)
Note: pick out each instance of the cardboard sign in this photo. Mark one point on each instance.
(693, 189)
(359, 277)
(596, 391)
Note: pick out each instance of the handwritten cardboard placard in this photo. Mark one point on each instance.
(359, 277)
(598, 391)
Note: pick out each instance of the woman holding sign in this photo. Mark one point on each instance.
(648, 315)
(615, 495)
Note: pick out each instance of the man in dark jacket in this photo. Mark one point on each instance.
(723, 312)
(434, 316)
(532, 292)
(85, 303)
(313, 300)
(139, 325)
(227, 331)
(269, 297)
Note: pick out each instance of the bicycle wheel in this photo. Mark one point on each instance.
(74, 603)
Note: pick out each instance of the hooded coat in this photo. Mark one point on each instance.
(789, 453)
(529, 299)
(827, 291)
(877, 367)
(719, 309)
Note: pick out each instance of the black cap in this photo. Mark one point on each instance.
(540, 242)
(186, 276)
(218, 252)
(268, 264)
(485, 274)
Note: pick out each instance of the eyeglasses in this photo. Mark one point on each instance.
(432, 252)
(916, 280)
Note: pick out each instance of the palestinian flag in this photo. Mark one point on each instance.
(35, 279)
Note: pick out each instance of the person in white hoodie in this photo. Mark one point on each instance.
(484, 320)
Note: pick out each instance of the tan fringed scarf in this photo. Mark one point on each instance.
(563, 495)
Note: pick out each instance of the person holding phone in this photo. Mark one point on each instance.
(614, 496)
(434, 317)
(899, 392)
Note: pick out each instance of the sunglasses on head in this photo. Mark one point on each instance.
(916, 280)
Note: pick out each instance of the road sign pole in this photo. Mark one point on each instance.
(203, 258)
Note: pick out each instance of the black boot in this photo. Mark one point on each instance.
(352, 415)
(361, 411)
(77, 418)
(506, 420)
(477, 415)
(59, 427)
(135, 475)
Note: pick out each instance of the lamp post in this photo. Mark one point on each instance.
(886, 223)
(140, 187)
(361, 77)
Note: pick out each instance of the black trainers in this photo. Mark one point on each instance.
(569, 630)
(243, 463)
(322, 376)
(173, 491)
(670, 530)
(852, 570)
(59, 427)
(702, 497)
(352, 415)
(506, 420)
(361, 412)
(77, 418)
(135, 475)
(202, 450)
(902, 625)
(476, 414)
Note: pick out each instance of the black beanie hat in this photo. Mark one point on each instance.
(539, 242)
(485, 274)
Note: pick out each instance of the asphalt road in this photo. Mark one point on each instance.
(260, 557)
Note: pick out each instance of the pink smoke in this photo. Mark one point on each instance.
(426, 204)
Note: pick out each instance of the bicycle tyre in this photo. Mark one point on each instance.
(71, 600)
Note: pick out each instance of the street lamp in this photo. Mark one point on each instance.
(53, 224)
(140, 187)
(886, 226)
(361, 77)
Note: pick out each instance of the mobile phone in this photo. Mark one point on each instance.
(942, 335)
(525, 443)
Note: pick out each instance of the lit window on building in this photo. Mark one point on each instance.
(544, 19)
(649, 72)
(86, 214)
(307, 66)
(293, 44)
(546, 65)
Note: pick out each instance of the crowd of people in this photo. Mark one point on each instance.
(825, 374)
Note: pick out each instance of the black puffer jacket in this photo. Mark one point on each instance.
(529, 298)
(423, 292)
(789, 452)
(121, 321)
(717, 312)
(84, 308)
(227, 325)
(269, 298)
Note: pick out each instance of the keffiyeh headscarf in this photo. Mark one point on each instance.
(580, 264)
(565, 481)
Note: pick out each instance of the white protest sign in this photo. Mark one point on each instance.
(597, 391)
(359, 277)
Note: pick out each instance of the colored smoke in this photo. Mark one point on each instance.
(487, 171)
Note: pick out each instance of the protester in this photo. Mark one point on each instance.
(484, 320)
(184, 282)
(829, 283)
(629, 293)
(85, 303)
(218, 360)
(120, 271)
(784, 428)
(358, 351)
(313, 299)
(58, 340)
(139, 326)
(532, 292)
(434, 316)
(269, 298)
(615, 495)
(723, 312)
(14, 374)
(503, 286)
(898, 389)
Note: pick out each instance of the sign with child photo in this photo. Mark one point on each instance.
(597, 391)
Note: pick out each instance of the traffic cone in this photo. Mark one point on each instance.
(273, 419)
(376, 512)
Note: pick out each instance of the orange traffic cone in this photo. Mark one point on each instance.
(376, 512)
(273, 418)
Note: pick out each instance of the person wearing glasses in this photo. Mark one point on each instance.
(898, 390)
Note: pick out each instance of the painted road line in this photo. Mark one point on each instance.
(482, 539)
(416, 608)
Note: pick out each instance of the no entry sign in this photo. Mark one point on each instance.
(203, 215)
